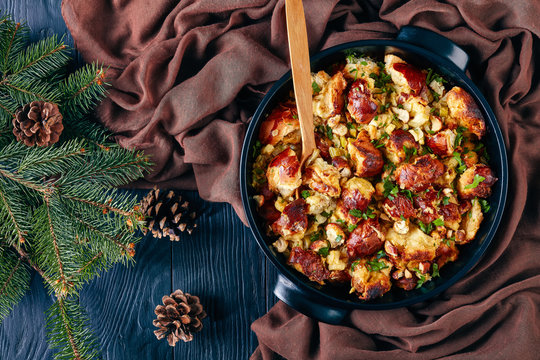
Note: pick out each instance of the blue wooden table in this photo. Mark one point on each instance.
(220, 263)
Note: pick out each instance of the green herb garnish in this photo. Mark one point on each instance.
(374, 265)
(476, 181)
(435, 272)
(484, 204)
(438, 222)
(351, 227)
(329, 133)
(409, 152)
(368, 214)
(305, 194)
(257, 148)
(390, 189)
(459, 136)
(461, 164)
(315, 87)
(326, 214)
(324, 251)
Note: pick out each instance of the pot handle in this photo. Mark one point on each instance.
(291, 295)
(436, 43)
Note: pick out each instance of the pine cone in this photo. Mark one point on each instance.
(179, 317)
(167, 214)
(39, 123)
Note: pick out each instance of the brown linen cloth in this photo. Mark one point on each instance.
(187, 75)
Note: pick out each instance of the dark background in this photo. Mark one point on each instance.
(220, 263)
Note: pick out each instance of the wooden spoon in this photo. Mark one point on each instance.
(301, 74)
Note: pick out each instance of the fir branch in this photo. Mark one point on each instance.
(13, 37)
(25, 91)
(105, 207)
(14, 281)
(8, 50)
(42, 59)
(104, 235)
(88, 264)
(29, 184)
(50, 161)
(82, 90)
(59, 212)
(7, 281)
(68, 331)
(55, 244)
(12, 218)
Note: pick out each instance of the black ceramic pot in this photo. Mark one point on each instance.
(329, 304)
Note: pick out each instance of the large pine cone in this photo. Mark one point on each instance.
(38, 123)
(167, 215)
(179, 317)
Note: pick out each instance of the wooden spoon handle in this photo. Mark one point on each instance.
(301, 73)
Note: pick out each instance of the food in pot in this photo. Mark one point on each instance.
(398, 182)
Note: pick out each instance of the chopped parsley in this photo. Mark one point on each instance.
(409, 152)
(305, 194)
(459, 136)
(421, 278)
(363, 62)
(382, 80)
(329, 133)
(326, 214)
(384, 107)
(315, 87)
(294, 116)
(381, 254)
(426, 150)
(315, 236)
(461, 164)
(368, 214)
(435, 272)
(352, 56)
(431, 75)
(408, 193)
(353, 265)
(445, 200)
(438, 222)
(351, 227)
(378, 143)
(427, 228)
(339, 238)
(355, 72)
(484, 204)
(390, 167)
(390, 189)
(476, 181)
(374, 265)
(257, 148)
(324, 251)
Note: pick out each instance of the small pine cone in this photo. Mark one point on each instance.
(179, 317)
(38, 123)
(167, 214)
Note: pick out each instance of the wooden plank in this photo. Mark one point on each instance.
(221, 263)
